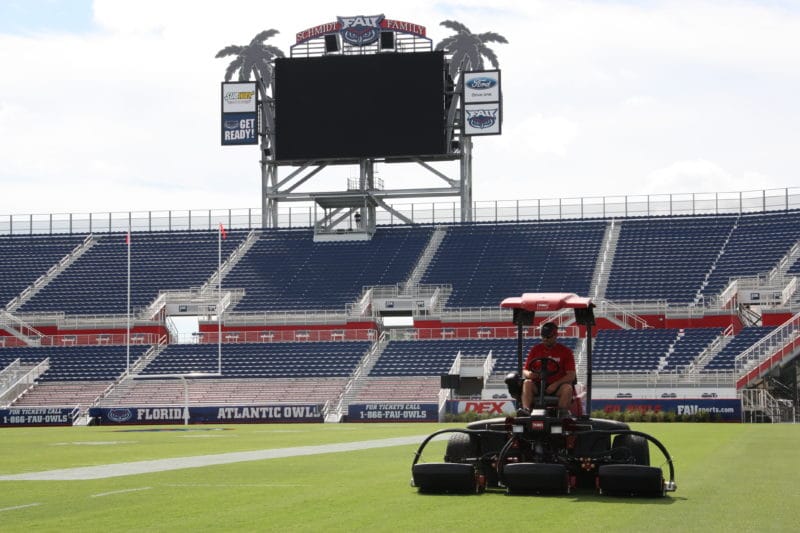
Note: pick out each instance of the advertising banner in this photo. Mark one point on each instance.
(482, 119)
(393, 412)
(239, 128)
(481, 86)
(483, 110)
(489, 408)
(239, 113)
(228, 414)
(38, 416)
(729, 410)
(239, 97)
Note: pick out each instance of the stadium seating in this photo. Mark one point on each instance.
(287, 270)
(262, 360)
(24, 259)
(755, 247)
(666, 259)
(97, 282)
(485, 263)
(435, 357)
(76, 363)
(725, 360)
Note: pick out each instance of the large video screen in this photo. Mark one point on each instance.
(365, 106)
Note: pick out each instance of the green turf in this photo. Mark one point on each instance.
(731, 477)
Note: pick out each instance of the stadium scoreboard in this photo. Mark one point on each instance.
(360, 106)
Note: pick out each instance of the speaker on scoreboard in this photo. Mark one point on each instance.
(331, 43)
(387, 40)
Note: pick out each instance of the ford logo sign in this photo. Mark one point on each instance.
(481, 83)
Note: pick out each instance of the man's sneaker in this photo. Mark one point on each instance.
(523, 412)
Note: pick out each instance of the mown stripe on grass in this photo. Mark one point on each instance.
(178, 463)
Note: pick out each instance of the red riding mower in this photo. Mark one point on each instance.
(550, 450)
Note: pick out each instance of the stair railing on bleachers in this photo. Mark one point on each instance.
(621, 316)
(427, 255)
(774, 348)
(22, 382)
(711, 351)
(20, 329)
(54, 271)
(227, 265)
(335, 410)
(605, 261)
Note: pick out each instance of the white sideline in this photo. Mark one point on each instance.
(178, 463)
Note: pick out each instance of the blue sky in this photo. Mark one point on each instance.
(40, 16)
(113, 105)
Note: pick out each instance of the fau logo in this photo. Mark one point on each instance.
(482, 118)
(119, 414)
(361, 30)
(481, 83)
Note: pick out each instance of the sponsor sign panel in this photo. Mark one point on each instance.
(491, 408)
(481, 86)
(393, 412)
(239, 97)
(482, 102)
(37, 416)
(229, 414)
(362, 29)
(729, 410)
(239, 128)
(239, 113)
(482, 119)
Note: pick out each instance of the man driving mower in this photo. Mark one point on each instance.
(559, 383)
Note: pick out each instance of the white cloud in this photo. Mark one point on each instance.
(600, 98)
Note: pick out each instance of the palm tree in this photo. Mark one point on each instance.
(469, 48)
(254, 58)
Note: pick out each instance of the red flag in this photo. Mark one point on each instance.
(222, 231)
(128, 238)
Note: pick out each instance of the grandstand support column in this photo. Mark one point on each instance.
(366, 182)
(466, 178)
(269, 203)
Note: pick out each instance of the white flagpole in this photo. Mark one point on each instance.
(128, 336)
(219, 300)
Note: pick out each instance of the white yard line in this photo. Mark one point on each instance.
(123, 491)
(19, 507)
(178, 463)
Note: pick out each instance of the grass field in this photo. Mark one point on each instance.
(731, 477)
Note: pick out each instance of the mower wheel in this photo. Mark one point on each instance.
(460, 447)
(638, 446)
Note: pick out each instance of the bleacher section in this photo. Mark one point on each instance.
(213, 391)
(76, 363)
(666, 259)
(24, 259)
(689, 345)
(287, 270)
(726, 358)
(486, 262)
(97, 282)
(435, 357)
(755, 247)
(678, 260)
(262, 360)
